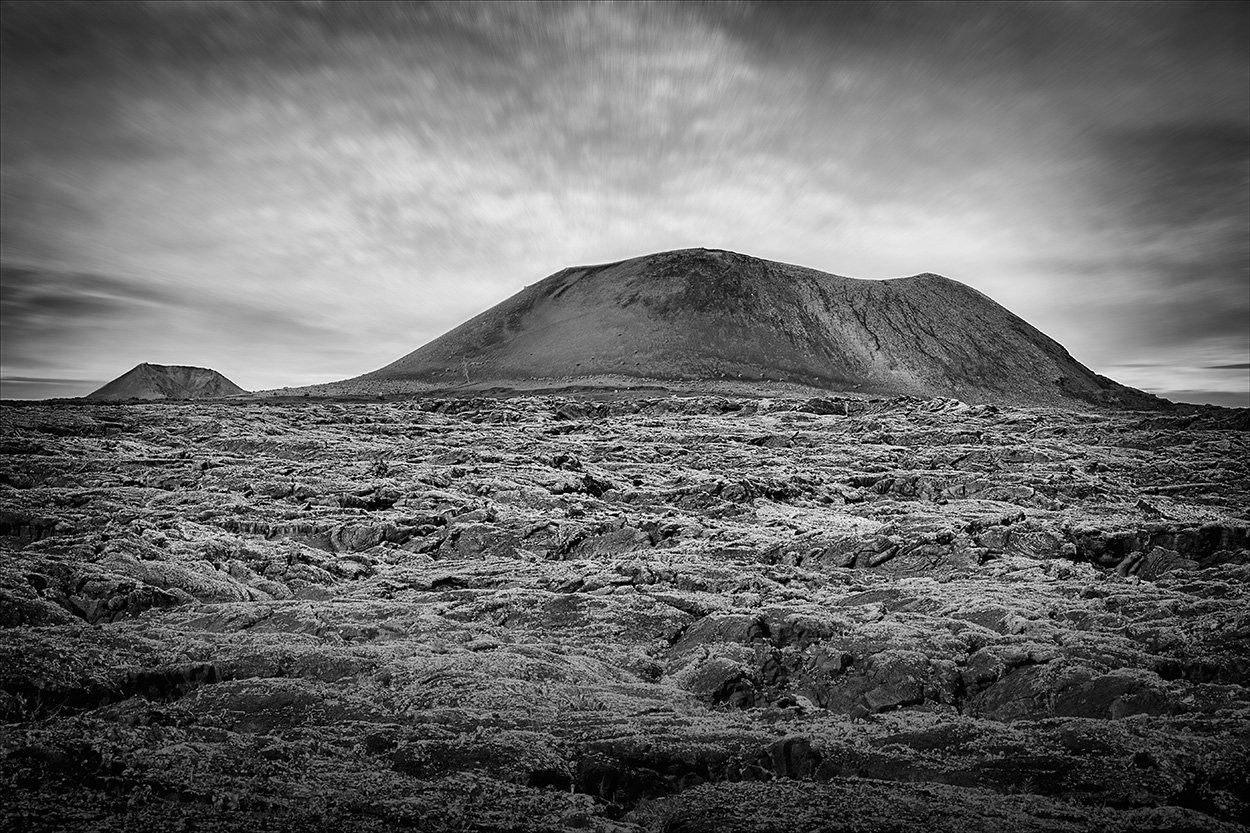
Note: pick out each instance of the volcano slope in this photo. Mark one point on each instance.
(166, 381)
(649, 614)
(704, 314)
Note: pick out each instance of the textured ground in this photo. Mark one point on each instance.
(663, 614)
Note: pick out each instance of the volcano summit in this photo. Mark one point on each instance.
(712, 315)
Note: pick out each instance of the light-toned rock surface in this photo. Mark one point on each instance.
(648, 614)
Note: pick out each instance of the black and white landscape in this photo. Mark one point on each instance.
(628, 602)
(702, 536)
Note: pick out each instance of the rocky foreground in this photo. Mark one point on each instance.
(662, 614)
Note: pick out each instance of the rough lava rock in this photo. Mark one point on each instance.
(625, 613)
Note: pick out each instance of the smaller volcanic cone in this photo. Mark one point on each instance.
(167, 381)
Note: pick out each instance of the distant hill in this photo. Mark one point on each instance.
(161, 381)
(707, 314)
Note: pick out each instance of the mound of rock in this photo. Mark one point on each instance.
(161, 381)
(714, 316)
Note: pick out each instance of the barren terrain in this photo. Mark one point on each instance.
(669, 614)
(160, 381)
(709, 315)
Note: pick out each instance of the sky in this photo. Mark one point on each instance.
(293, 193)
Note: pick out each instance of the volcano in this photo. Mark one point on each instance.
(708, 315)
(161, 381)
